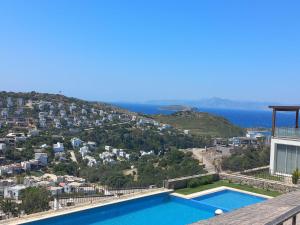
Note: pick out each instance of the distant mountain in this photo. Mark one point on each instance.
(220, 103)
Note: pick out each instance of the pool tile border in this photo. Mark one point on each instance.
(222, 188)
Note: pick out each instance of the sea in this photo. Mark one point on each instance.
(242, 118)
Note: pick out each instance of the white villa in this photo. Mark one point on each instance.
(285, 144)
(13, 192)
(42, 158)
(58, 147)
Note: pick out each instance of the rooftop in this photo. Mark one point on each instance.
(285, 108)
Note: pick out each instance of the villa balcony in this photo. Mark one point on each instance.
(287, 132)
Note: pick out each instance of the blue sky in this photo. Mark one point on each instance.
(156, 49)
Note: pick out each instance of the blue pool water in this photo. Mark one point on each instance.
(229, 200)
(161, 209)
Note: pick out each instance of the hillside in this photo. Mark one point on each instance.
(58, 115)
(96, 141)
(13, 100)
(201, 123)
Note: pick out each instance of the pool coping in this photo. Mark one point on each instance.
(217, 189)
(65, 211)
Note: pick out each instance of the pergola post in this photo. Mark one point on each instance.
(273, 121)
(297, 118)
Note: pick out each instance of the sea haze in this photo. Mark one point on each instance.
(242, 118)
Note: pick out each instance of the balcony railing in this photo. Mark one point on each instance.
(290, 216)
(287, 132)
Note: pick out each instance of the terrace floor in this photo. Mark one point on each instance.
(258, 214)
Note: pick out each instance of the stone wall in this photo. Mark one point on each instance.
(259, 183)
(281, 187)
(181, 182)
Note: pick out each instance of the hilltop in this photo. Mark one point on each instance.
(201, 123)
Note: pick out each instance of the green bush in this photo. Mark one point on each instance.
(295, 176)
(209, 179)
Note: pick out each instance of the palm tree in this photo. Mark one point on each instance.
(9, 207)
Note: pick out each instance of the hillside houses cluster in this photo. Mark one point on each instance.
(57, 185)
(40, 160)
(47, 114)
(111, 155)
(148, 121)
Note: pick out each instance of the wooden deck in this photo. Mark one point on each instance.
(258, 214)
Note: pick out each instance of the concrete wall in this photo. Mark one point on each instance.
(259, 183)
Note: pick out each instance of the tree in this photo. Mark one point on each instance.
(8, 206)
(247, 159)
(70, 168)
(35, 199)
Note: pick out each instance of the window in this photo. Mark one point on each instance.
(287, 158)
(281, 159)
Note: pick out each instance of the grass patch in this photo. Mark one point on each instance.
(187, 191)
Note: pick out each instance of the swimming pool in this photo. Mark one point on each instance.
(159, 209)
(229, 200)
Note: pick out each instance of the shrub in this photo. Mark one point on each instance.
(35, 199)
(193, 183)
(295, 176)
(209, 179)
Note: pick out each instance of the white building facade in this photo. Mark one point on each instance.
(285, 144)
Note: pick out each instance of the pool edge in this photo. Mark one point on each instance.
(53, 213)
(217, 189)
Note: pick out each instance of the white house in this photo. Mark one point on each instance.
(2, 147)
(4, 113)
(42, 158)
(58, 147)
(285, 144)
(84, 151)
(92, 144)
(56, 190)
(91, 160)
(71, 187)
(13, 191)
(33, 132)
(26, 165)
(84, 111)
(9, 102)
(107, 147)
(44, 146)
(115, 151)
